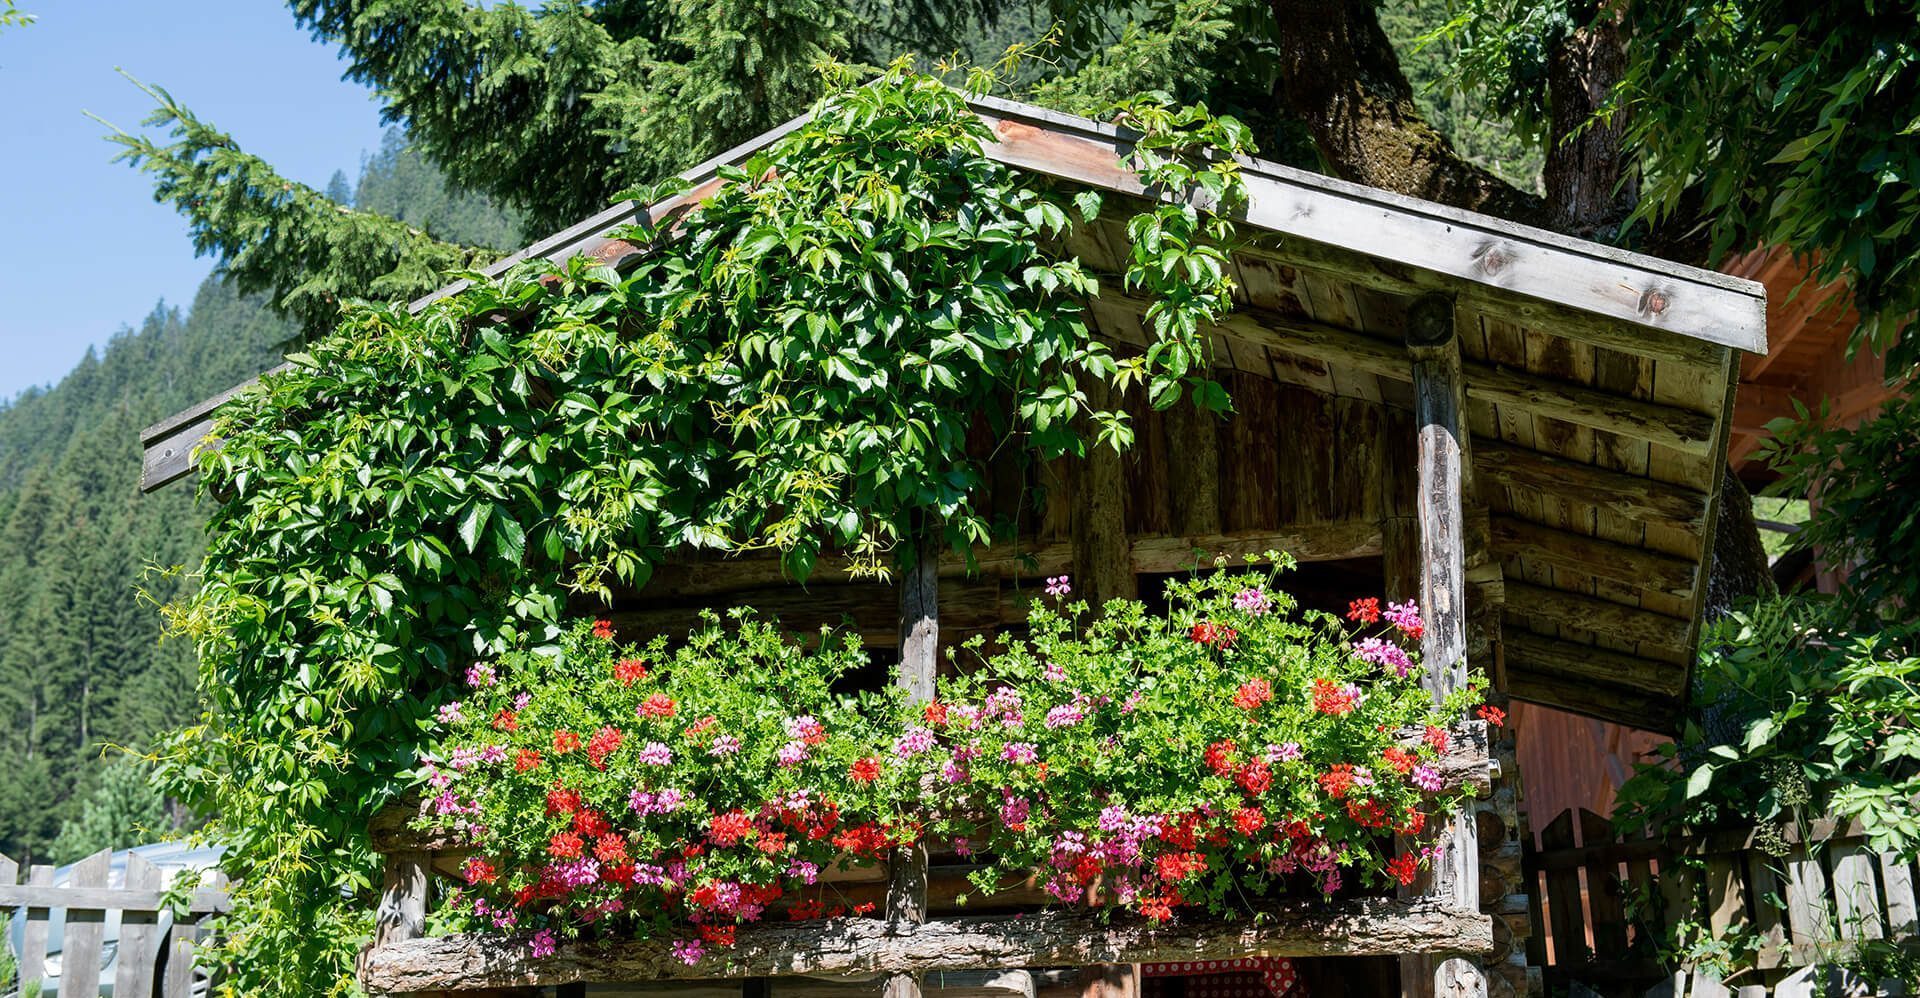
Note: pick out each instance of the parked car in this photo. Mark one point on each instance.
(172, 859)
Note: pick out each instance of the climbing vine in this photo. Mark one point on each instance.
(798, 366)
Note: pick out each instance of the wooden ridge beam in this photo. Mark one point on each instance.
(1597, 616)
(1638, 567)
(1631, 496)
(1681, 429)
(1293, 928)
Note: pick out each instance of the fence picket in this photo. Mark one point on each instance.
(179, 980)
(1903, 914)
(85, 931)
(1808, 915)
(1764, 882)
(1726, 895)
(1563, 896)
(33, 942)
(1609, 919)
(1856, 891)
(139, 932)
(1708, 985)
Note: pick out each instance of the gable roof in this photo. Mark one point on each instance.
(1599, 384)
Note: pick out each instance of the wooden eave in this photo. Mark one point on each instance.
(1599, 387)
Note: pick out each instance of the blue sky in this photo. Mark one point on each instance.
(84, 250)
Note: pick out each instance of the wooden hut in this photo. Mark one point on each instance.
(1524, 430)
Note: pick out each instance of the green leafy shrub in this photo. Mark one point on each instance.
(799, 368)
(1231, 748)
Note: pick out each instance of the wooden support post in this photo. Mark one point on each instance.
(402, 914)
(1439, 405)
(919, 649)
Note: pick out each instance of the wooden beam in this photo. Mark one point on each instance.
(1461, 249)
(1631, 496)
(1299, 927)
(1571, 661)
(1336, 541)
(1439, 412)
(1597, 616)
(38, 895)
(1103, 556)
(402, 914)
(1638, 567)
(1600, 617)
(1618, 704)
(919, 658)
(1683, 430)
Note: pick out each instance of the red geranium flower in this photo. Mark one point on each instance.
(506, 720)
(564, 742)
(560, 800)
(935, 713)
(1219, 758)
(1367, 813)
(1365, 611)
(590, 823)
(729, 828)
(603, 629)
(1158, 907)
(718, 935)
(1333, 699)
(658, 705)
(1492, 715)
(1249, 820)
(1252, 694)
(1403, 868)
(604, 743)
(610, 849)
(629, 671)
(1337, 780)
(1437, 737)
(564, 845)
(1400, 759)
(479, 871)
(701, 726)
(1213, 635)
(1415, 823)
(525, 759)
(1254, 777)
(864, 770)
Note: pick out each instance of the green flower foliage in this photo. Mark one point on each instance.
(798, 366)
(1231, 748)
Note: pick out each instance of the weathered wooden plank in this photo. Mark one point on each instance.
(1193, 469)
(1302, 437)
(1564, 911)
(1626, 564)
(1809, 912)
(1726, 895)
(85, 931)
(36, 894)
(1473, 250)
(1630, 496)
(1609, 922)
(1682, 430)
(1295, 928)
(33, 946)
(1252, 467)
(139, 951)
(1707, 984)
(919, 659)
(1597, 616)
(1765, 887)
(1855, 893)
(1553, 658)
(1439, 412)
(1307, 542)
(180, 960)
(1896, 879)
(402, 912)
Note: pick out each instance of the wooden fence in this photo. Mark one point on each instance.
(1828, 893)
(153, 947)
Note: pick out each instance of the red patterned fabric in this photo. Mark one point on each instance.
(1250, 977)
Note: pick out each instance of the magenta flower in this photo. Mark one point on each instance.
(791, 754)
(655, 754)
(479, 675)
(689, 951)
(1252, 601)
(1065, 716)
(1020, 752)
(543, 944)
(1384, 654)
(1058, 587)
(450, 713)
(1426, 777)
(723, 746)
(1289, 752)
(914, 742)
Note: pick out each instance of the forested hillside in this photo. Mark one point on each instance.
(82, 664)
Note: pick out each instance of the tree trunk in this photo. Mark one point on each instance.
(1341, 77)
(1740, 568)
(1586, 160)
